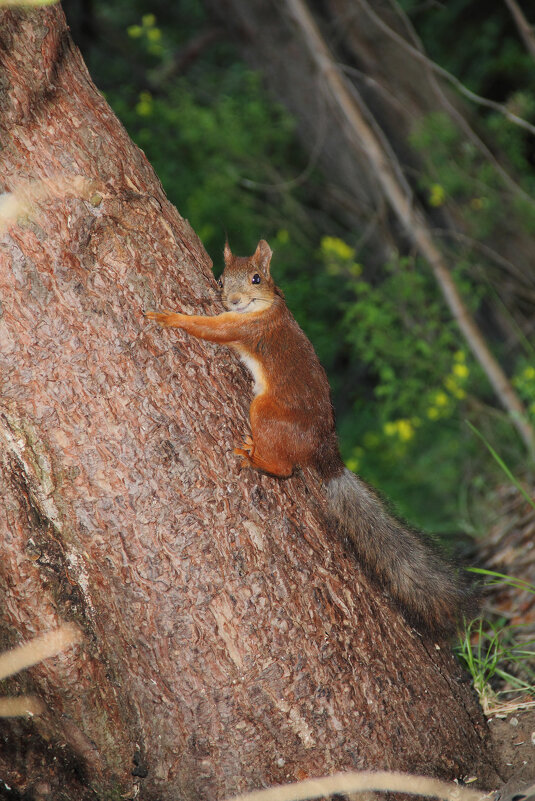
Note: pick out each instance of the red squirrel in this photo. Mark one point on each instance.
(292, 425)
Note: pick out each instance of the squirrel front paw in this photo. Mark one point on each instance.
(158, 317)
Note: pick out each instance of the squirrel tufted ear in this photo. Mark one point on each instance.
(262, 256)
(227, 253)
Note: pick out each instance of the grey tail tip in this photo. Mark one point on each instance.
(420, 580)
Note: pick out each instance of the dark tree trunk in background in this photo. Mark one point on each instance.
(229, 640)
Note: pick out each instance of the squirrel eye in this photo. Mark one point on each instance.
(255, 279)
(220, 283)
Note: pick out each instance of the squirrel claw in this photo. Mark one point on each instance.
(158, 317)
(242, 452)
(246, 452)
(247, 449)
(245, 457)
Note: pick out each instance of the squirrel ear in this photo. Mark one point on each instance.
(262, 256)
(227, 253)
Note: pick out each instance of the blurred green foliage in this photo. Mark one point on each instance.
(207, 155)
(219, 145)
(227, 156)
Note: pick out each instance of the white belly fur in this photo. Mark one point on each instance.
(255, 368)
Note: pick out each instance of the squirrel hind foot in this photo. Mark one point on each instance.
(271, 466)
(247, 448)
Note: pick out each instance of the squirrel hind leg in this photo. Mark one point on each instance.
(273, 465)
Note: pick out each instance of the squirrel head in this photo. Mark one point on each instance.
(246, 284)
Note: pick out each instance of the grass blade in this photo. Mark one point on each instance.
(502, 464)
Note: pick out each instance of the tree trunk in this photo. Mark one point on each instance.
(229, 640)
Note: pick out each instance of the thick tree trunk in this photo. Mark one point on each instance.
(229, 640)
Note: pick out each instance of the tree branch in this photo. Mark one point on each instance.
(524, 28)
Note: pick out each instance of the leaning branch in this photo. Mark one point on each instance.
(362, 136)
(524, 28)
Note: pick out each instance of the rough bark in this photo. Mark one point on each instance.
(230, 642)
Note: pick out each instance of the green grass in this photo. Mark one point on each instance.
(501, 665)
(497, 458)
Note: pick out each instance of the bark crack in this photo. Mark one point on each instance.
(21, 441)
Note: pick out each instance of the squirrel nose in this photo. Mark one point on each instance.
(234, 300)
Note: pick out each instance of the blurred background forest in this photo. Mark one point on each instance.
(216, 94)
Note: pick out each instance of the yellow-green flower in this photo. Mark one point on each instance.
(390, 429)
(144, 107)
(148, 20)
(334, 246)
(405, 430)
(460, 370)
(437, 195)
(402, 428)
(339, 256)
(451, 384)
(134, 31)
(529, 372)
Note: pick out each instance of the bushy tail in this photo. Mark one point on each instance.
(416, 575)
